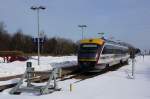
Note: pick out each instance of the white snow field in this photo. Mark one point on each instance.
(110, 85)
(46, 63)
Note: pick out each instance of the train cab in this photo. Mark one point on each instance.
(89, 52)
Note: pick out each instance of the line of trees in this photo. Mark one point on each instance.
(21, 42)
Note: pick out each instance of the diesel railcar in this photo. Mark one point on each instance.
(101, 53)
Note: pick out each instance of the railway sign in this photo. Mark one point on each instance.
(35, 41)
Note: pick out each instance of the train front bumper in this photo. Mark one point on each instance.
(86, 63)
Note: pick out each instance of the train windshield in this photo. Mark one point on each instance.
(89, 48)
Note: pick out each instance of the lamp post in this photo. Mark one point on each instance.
(82, 27)
(38, 8)
(101, 34)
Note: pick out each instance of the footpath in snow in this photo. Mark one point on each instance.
(111, 85)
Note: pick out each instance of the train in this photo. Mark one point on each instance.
(100, 53)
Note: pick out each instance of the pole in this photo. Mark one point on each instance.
(82, 32)
(38, 26)
(71, 87)
(133, 63)
(38, 37)
(82, 27)
(132, 56)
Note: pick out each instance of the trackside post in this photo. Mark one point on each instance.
(71, 87)
(132, 56)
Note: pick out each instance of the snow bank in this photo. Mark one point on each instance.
(47, 63)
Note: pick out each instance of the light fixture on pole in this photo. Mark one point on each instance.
(82, 27)
(38, 8)
(101, 34)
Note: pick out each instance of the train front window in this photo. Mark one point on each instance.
(88, 51)
(89, 48)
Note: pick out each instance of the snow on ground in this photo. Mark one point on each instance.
(17, 67)
(7, 82)
(111, 85)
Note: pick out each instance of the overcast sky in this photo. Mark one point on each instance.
(125, 20)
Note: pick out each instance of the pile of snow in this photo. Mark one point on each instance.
(46, 63)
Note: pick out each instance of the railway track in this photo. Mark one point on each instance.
(67, 73)
(83, 75)
(3, 87)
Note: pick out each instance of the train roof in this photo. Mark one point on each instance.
(117, 43)
(93, 40)
(101, 41)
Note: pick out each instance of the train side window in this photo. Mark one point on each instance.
(108, 49)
